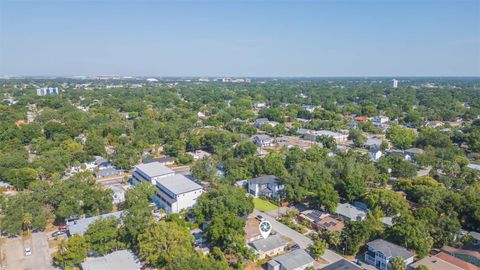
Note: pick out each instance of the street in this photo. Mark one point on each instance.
(15, 259)
(299, 238)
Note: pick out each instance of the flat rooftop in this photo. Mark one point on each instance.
(154, 169)
(178, 184)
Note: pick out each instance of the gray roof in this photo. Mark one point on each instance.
(262, 137)
(80, 226)
(342, 265)
(474, 166)
(475, 235)
(270, 243)
(349, 211)
(107, 172)
(178, 184)
(389, 249)
(118, 260)
(293, 259)
(266, 179)
(154, 169)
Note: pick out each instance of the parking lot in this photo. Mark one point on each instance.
(13, 253)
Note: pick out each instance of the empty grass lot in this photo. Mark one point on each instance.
(263, 205)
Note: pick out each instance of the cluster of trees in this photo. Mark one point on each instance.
(55, 200)
(221, 210)
(164, 244)
(120, 123)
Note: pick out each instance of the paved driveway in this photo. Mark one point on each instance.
(299, 238)
(15, 259)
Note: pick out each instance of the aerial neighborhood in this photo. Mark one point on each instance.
(234, 173)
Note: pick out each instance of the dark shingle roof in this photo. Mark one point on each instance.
(266, 179)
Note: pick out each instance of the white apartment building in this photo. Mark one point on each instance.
(150, 172)
(174, 193)
(177, 192)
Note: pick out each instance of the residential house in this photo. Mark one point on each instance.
(353, 125)
(375, 154)
(118, 260)
(263, 121)
(443, 261)
(330, 224)
(199, 154)
(166, 160)
(150, 172)
(361, 119)
(381, 252)
(297, 259)
(312, 135)
(412, 153)
(80, 226)
(309, 108)
(260, 105)
(434, 124)
(107, 172)
(476, 238)
(262, 140)
(270, 246)
(350, 212)
(380, 119)
(432, 262)
(176, 192)
(473, 166)
(267, 185)
(342, 264)
(313, 216)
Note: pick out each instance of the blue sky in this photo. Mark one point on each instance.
(240, 38)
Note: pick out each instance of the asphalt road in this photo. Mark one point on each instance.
(15, 258)
(299, 238)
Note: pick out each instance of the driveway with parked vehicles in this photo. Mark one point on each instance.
(30, 253)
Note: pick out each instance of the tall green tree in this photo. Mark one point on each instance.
(71, 252)
(163, 242)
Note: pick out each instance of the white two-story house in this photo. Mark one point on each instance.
(267, 186)
(381, 252)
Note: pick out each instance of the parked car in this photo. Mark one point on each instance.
(296, 246)
(57, 233)
(62, 228)
(260, 218)
(27, 251)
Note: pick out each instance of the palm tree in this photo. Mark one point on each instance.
(27, 221)
(397, 263)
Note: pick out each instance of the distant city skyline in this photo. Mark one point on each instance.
(364, 38)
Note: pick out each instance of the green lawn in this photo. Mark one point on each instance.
(263, 205)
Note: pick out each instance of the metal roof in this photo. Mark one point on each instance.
(178, 184)
(154, 169)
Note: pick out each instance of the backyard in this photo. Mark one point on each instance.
(263, 205)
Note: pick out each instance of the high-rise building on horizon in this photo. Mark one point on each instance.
(395, 83)
(47, 91)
